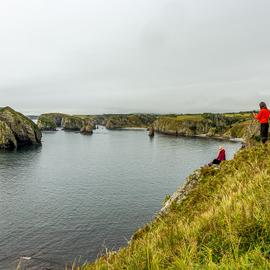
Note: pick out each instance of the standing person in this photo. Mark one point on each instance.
(221, 156)
(263, 118)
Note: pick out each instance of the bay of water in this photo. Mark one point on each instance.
(77, 196)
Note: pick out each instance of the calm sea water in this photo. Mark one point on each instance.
(77, 195)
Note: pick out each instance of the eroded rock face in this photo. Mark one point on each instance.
(119, 121)
(87, 130)
(72, 123)
(210, 125)
(88, 126)
(50, 121)
(7, 138)
(17, 130)
(190, 183)
(46, 123)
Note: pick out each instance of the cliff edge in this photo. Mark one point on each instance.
(219, 219)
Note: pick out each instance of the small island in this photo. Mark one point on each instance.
(17, 130)
(52, 121)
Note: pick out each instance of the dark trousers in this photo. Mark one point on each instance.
(264, 132)
(216, 161)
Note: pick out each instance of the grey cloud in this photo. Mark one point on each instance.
(123, 55)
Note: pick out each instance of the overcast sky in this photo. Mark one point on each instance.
(100, 56)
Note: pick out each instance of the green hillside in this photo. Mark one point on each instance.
(221, 221)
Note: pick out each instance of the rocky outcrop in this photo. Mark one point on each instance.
(50, 121)
(246, 130)
(87, 130)
(88, 126)
(182, 192)
(209, 125)
(110, 124)
(118, 121)
(7, 138)
(72, 123)
(151, 132)
(46, 123)
(17, 130)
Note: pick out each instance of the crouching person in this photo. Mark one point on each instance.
(220, 157)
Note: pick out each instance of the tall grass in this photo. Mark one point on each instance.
(224, 223)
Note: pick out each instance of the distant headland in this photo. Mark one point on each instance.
(17, 130)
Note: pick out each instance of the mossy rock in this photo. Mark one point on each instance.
(50, 121)
(17, 130)
(87, 130)
(7, 138)
(119, 121)
(46, 123)
(211, 125)
(72, 123)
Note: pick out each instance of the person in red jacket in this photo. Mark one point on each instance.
(221, 156)
(263, 118)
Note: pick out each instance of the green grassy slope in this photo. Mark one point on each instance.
(223, 223)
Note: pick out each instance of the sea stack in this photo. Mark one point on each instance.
(151, 132)
(87, 130)
(17, 130)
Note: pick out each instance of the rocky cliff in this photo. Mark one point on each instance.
(17, 130)
(72, 123)
(210, 125)
(128, 120)
(87, 129)
(52, 121)
(233, 125)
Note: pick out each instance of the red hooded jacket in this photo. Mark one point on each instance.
(263, 116)
(221, 155)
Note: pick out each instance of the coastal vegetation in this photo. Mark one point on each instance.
(210, 125)
(219, 219)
